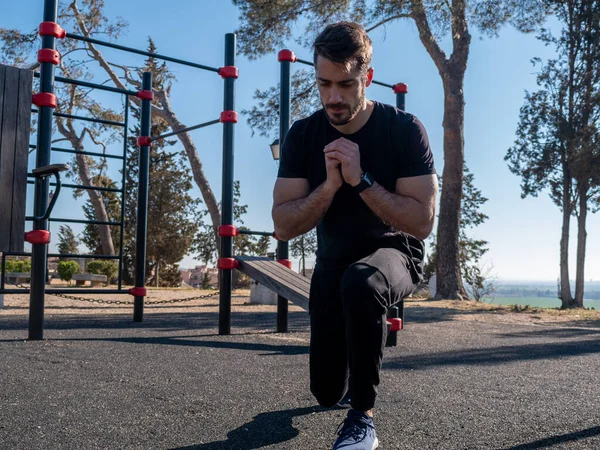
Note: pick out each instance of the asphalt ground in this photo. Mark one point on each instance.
(171, 382)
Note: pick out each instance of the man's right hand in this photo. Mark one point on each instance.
(334, 174)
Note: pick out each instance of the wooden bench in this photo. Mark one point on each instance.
(15, 120)
(94, 279)
(296, 288)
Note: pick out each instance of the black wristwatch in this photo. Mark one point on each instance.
(366, 181)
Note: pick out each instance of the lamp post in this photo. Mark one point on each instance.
(275, 149)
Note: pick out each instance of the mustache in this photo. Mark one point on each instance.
(337, 105)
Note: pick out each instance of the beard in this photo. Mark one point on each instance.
(346, 111)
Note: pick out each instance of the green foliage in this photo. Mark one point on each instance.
(66, 270)
(104, 267)
(304, 246)
(174, 216)
(20, 265)
(206, 281)
(471, 250)
(90, 237)
(67, 242)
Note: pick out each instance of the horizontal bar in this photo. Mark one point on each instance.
(141, 52)
(308, 63)
(80, 152)
(67, 291)
(257, 233)
(87, 119)
(383, 84)
(70, 255)
(65, 255)
(195, 127)
(90, 85)
(80, 186)
(90, 222)
(303, 61)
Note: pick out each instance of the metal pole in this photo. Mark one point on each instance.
(227, 192)
(39, 252)
(400, 90)
(284, 126)
(123, 192)
(142, 204)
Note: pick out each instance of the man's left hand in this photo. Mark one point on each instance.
(348, 154)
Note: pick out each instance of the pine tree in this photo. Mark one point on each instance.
(67, 242)
(172, 212)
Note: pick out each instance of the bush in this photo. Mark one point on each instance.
(66, 270)
(104, 267)
(13, 265)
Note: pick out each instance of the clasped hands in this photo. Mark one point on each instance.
(342, 161)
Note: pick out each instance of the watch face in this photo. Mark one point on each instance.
(368, 178)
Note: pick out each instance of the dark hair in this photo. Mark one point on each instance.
(346, 43)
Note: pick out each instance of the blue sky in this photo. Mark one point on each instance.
(523, 235)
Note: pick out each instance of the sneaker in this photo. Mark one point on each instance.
(356, 432)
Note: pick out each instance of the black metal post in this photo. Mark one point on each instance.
(225, 275)
(400, 90)
(284, 126)
(142, 204)
(39, 252)
(123, 191)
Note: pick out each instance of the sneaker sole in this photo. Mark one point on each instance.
(375, 444)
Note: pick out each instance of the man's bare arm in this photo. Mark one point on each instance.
(410, 209)
(296, 210)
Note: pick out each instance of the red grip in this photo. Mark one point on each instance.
(38, 237)
(145, 95)
(396, 324)
(47, 55)
(52, 29)
(286, 55)
(229, 116)
(44, 99)
(228, 72)
(400, 88)
(285, 262)
(137, 291)
(227, 263)
(144, 141)
(228, 230)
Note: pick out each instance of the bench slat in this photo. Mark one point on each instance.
(276, 277)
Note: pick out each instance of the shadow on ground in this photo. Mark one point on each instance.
(265, 429)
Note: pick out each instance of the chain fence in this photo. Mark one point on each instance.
(148, 303)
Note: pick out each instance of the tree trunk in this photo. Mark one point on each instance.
(565, 286)
(581, 244)
(449, 281)
(104, 235)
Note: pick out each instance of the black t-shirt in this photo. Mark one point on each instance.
(393, 144)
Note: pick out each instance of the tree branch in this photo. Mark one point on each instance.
(417, 12)
(389, 19)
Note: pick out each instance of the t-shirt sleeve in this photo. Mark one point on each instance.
(417, 159)
(293, 162)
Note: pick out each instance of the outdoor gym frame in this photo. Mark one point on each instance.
(45, 100)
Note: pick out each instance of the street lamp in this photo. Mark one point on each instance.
(275, 149)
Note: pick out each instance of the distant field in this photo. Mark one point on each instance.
(540, 302)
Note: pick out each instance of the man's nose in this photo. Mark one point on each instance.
(334, 96)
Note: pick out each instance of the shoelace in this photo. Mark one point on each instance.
(354, 427)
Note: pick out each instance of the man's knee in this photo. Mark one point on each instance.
(360, 289)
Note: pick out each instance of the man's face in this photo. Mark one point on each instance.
(342, 92)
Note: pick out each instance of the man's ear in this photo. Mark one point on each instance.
(370, 73)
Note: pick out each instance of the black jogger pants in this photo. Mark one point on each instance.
(348, 305)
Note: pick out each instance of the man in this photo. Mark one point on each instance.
(362, 172)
